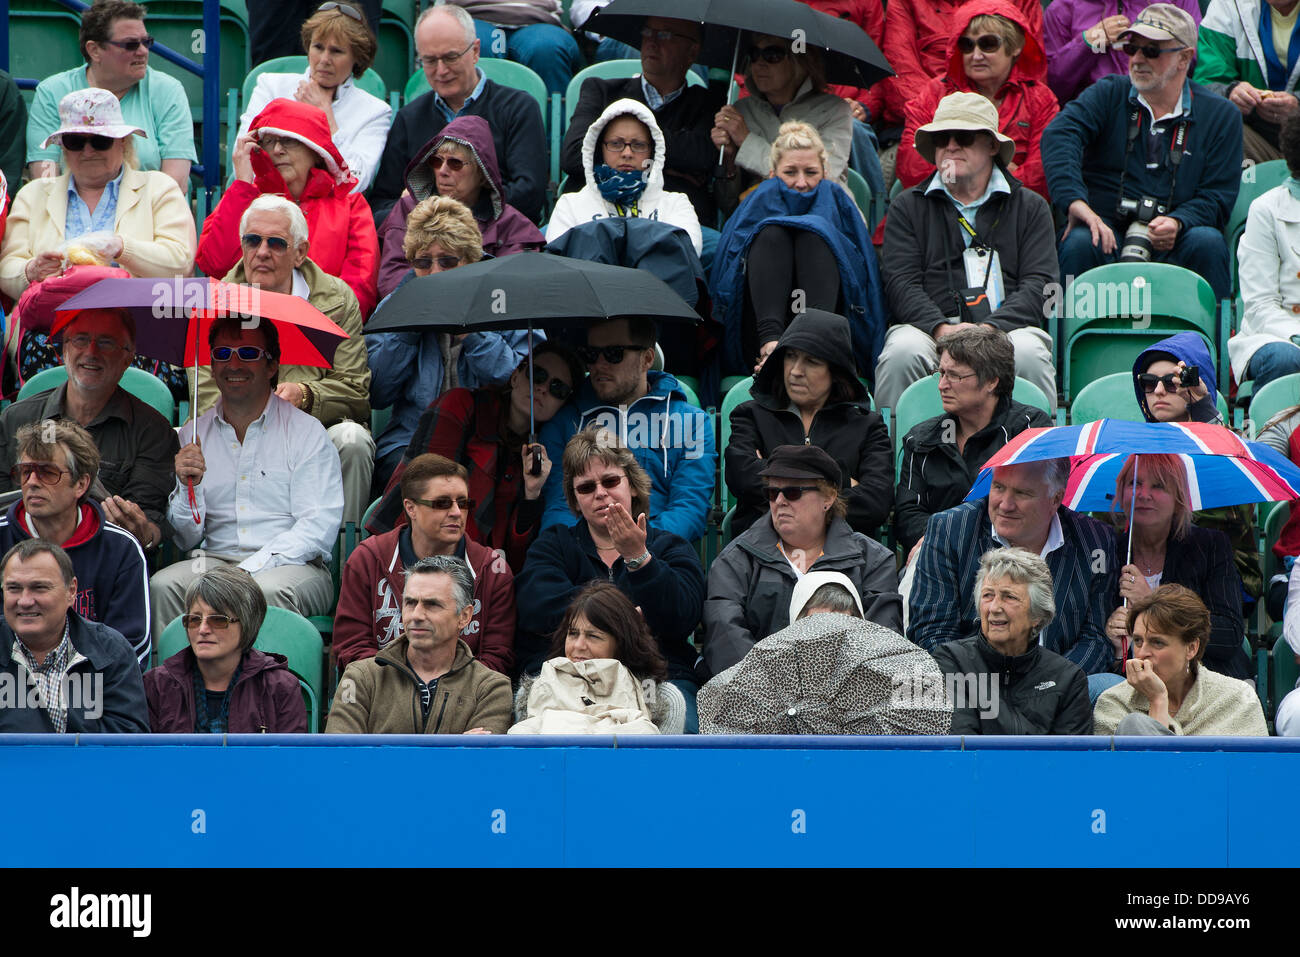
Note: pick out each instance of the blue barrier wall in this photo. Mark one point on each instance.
(315, 800)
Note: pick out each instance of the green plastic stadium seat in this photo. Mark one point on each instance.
(149, 389)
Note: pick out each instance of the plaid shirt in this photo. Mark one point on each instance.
(49, 677)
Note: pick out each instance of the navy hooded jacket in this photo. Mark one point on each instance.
(1190, 348)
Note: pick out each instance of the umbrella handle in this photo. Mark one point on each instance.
(194, 503)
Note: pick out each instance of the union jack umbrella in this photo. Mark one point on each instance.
(1222, 468)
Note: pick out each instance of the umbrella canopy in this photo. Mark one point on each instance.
(828, 674)
(516, 292)
(160, 308)
(1222, 468)
(850, 55)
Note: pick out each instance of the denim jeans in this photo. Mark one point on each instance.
(1273, 361)
(689, 690)
(549, 51)
(1200, 249)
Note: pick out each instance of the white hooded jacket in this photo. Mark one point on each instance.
(655, 203)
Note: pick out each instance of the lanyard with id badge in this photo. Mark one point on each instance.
(983, 292)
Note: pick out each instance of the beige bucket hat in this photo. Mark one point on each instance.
(964, 111)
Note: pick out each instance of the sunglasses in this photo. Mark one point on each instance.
(444, 502)
(607, 482)
(102, 343)
(454, 163)
(1148, 382)
(768, 54)
(1149, 50)
(988, 43)
(663, 36)
(253, 241)
(556, 387)
(426, 262)
(613, 354)
(215, 622)
(47, 473)
(344, 8)
(133, 44)
(792, 493)
(76, 142)
(963, 137)
(245, 353)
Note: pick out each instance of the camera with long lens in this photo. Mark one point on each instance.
(1136, 247)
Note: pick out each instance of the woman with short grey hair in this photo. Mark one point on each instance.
(220, 683)
(1003, 681)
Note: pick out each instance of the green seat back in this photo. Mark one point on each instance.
(518, 77)
(1139, 303)
(1110, 397)
(396, 50)
(149, 389)
(738, 393)
(417, 85)
(283, 632)
(1280, 394)
(605, 70)
(861, 193)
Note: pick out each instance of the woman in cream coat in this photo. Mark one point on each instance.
(150, 233)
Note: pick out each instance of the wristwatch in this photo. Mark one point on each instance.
(632, 564)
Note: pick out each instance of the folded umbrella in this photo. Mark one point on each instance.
(828, 674)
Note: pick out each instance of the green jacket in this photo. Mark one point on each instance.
(342, 392)
(1229, 50)
(380, 695)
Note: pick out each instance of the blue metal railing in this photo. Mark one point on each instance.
(209, 71)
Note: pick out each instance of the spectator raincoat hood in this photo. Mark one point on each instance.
(1031, 64)
(1186, 347)
(309, 126)
(472, 133)
(654, 175)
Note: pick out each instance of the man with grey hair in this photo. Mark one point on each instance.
(1023, 510)
(529, 32)
(273, 236)
(447, 47)
(428, 681)
(1002, 680)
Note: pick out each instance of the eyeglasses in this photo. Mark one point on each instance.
(102, 343)
(245, 353)
(454, 163)
(426, 262)
(792, 493)
(1149, 50)
(613, 354)
(431, 62)
(988, 43)
(963, 137)
(47, 473)
(556, 387)
(618, 146)
(215, 622)
(133, 44)
(344, 8)
(444, 502)
(269, 141)
(768, 54)
(1148, 382)
(954, 377)
(76, 142)
(253, 241)
(606, 482)
(663, 36)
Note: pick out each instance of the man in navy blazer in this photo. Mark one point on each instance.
(1024, 510)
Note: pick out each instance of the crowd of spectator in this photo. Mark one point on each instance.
(530, 501)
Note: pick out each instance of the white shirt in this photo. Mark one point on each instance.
(1055, 537)
(274, 499)
(363, 121)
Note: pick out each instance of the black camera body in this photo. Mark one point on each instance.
(1136, 247)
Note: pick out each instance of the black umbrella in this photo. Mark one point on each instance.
(524, 290)
(850, 55)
